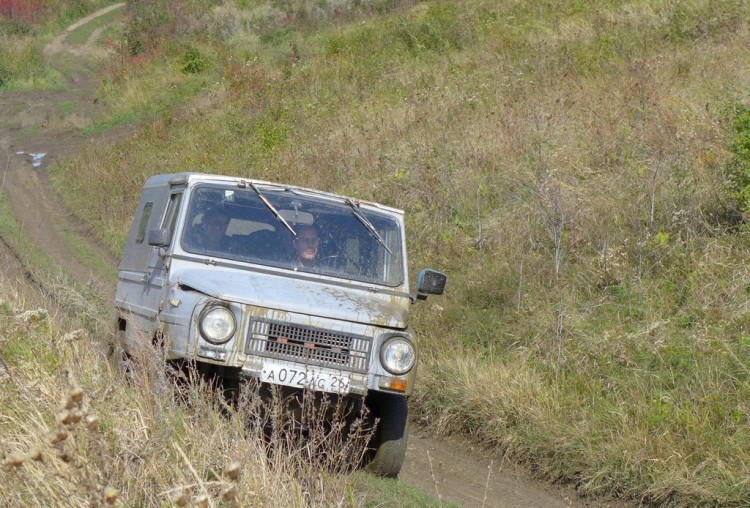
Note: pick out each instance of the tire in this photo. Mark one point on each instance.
(119, 356)
(388, 444)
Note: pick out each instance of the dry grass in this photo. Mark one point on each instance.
(76, 430)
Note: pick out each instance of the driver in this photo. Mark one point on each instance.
(306, 246)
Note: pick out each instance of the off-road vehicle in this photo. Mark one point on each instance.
(284, 285)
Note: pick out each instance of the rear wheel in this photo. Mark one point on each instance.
(388, 444)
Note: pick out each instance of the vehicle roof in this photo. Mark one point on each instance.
(188, 178)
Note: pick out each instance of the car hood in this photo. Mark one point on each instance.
(298, 295)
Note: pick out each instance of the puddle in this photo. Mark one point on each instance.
(36, 158)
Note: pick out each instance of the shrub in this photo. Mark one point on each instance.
(193, 61)
(738, 167)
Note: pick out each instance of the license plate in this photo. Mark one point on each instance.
(316, 379)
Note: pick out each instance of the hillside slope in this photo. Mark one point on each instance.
(47, 253)
(569, 164)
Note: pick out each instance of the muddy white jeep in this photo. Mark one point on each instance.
(284, 285)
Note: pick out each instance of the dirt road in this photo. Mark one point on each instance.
(35, 130)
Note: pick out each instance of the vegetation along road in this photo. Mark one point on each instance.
(43, 126)
(581, 170)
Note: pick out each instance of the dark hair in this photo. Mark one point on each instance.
(307, 226)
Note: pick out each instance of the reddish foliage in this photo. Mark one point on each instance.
(138, 61)
(246, 83)
(25, 11)
(126, 65)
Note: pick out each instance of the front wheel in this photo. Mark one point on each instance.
(388, 445)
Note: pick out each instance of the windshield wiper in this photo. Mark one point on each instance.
(271, 207)
(366, 223)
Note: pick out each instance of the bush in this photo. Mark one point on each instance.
(193, 62)
(738, 167)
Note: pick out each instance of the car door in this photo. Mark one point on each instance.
(156, 276)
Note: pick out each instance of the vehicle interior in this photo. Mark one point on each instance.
(259, 233)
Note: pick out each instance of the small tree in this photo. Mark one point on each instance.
(555, 209)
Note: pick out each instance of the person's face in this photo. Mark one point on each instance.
(306, 244)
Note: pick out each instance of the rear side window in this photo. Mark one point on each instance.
(145, 216)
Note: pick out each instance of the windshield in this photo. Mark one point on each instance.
(289, 229)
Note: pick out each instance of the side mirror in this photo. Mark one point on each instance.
(158, 237)
(430, 282)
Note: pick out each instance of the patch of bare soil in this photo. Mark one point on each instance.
(35, 129)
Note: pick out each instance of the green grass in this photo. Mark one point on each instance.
(67, 107)
(21, 349)
(126, 118)
(13, 235)
(66, 66)
(22, 67)
(88, 256)
(49, 80)
(149, 103)
(380, 492)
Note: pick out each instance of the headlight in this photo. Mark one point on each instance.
(398, 355)
(217, 324)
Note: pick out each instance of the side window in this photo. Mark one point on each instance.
(145, 216)
(170, 218)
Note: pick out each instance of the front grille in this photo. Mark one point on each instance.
(308, 345)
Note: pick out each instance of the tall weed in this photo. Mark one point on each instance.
(79, 430)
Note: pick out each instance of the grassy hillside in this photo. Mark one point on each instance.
(575, 167)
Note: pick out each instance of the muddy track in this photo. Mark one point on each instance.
(36, 130)
(32, 123)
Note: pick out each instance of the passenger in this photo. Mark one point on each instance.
(306, 247)
(211, 232)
